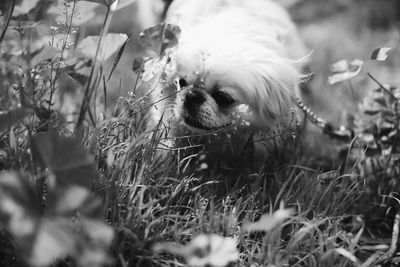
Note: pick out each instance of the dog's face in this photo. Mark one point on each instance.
(211, 106)
(233, 72)
(233, 89)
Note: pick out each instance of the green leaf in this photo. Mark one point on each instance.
(340, 66)
(84, 12)
(92, 207)
(20, 208)
(118, 57)
(380, 54)
(55, 240)
(12, 117)
(77, 70)
(54, 43)
(111, 43)
(347, 254)
(138, 64)
(97, 239)
(269, 221)
(204, 250)
(103, 2)
(41, 241)
(69, 201)
(343, 70)
(372, 112)
(42, 54)
(85, 240)
(97, 231)
(160, 37)
(24, 7)
(381, 101)
(73, 198)
(66, 158)
(124, 3)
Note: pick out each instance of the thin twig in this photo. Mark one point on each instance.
(393, 245)
(10, 12)
(68, 25)
(395, 237)
(382, 87)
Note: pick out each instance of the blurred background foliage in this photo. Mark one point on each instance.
(347, 29)
(332, 29)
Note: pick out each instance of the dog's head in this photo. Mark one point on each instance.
(232, 77)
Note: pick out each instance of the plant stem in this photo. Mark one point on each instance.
(88, 91)
(68, 25)
(382, 87)
(10, 12)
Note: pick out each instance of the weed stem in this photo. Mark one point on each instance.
(10, 12)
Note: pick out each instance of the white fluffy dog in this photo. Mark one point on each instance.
(233, 77)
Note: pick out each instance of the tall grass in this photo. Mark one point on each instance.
(108, 177)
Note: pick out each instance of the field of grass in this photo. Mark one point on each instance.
(81, 183)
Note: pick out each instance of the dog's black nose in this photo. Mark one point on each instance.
(194, 97)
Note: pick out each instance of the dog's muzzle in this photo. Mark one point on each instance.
(193, 99)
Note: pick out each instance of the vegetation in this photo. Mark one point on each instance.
(81, 183)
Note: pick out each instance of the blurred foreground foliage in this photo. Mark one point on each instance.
(49, 203)
(81, 184)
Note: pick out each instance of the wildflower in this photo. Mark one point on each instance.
(380, 54)
(205, 250)
(344, 70)
(269, 221)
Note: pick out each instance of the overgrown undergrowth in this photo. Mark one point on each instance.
(82, 184)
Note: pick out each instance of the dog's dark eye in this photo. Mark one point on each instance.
(223, 99)
(182, 83)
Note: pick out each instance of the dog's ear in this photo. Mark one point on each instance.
(280, 81)
(279, 100)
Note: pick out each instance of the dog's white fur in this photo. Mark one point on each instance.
(252, 51)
